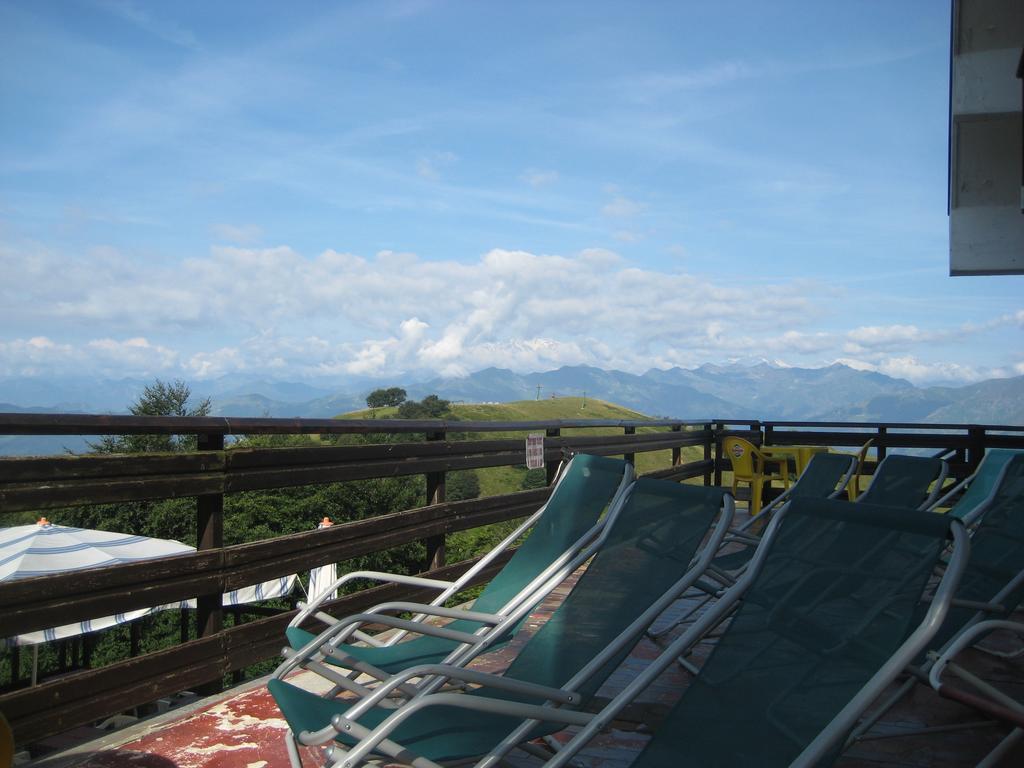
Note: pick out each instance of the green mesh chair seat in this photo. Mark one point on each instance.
(814, 627)
(997, 554)
(822, 476)
(648, 551)
(903, 481)
(574, 507)
(984, 482)
(819, 480)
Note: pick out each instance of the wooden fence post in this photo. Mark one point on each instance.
(976, 450)
(210, 535)
(709, 443)
(677, 452)
(435, 495)
(630, 457)
(551, 467)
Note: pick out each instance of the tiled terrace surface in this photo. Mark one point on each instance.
(243, 728)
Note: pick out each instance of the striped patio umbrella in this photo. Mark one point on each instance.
(322, 579)
(45, 548)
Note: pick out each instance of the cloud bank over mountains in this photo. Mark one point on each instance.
(276, 312)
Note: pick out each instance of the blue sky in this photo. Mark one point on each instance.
(314, 191)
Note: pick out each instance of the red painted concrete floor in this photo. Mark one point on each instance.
(244, 729)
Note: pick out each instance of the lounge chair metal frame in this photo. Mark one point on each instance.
(972, 516)
(741, 536)
(985, 697)
(435, 676)
(470, 645)
(829, 737)
(342, 630)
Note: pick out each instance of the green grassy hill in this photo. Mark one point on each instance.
(499, 480)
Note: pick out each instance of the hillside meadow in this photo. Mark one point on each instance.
(498, 480)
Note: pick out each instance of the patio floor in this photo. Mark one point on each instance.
(243, 728)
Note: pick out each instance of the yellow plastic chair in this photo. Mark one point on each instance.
(749, 465)
(853, 488)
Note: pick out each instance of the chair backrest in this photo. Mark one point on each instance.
(573, 508)
(984, 482)
(903, 481)
(741, 453)
(997, 554)
(814, 627)
(648, 550)
(823, 475)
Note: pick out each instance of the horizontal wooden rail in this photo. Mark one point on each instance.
(85, 424)
(62, 481)
(872, 425)
(46, 601)
(682, 471)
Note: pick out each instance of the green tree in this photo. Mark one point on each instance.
(534, 478)
(383, 398)
(462, 485)
(161, 398)
(430, 407)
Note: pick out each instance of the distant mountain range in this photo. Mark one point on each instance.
(767, 392)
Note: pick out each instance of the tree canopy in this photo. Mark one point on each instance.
(161, 398)
(430, 407)
(382, 398)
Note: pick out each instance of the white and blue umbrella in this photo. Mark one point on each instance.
(321, 580)
(45, 548)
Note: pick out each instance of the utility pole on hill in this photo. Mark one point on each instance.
(538, 391)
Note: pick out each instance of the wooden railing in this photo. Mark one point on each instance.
(207, 474)
(41, 484)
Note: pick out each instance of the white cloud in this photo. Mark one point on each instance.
(430, 166)
(208, 365)
(884, 337)
(621, 207)
(536, 177)
(166, 30)
(280, 312)
(40, 355)
(921, 372)
(656, 87)
(244, 234)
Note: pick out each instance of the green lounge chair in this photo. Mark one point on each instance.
(992, 587)
(642, 566)
(993, 583)
(818, 634)
(567, 521)
(976, 492)
(825, 477)
(909, 482)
